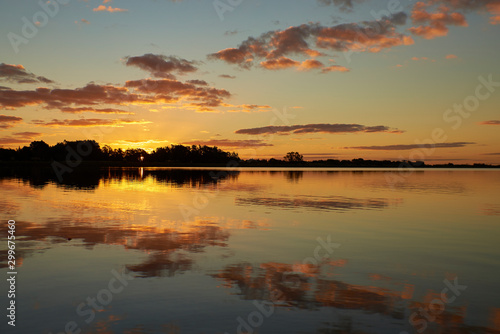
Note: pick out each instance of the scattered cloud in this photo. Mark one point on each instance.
(451, 56)
(138, 143)
(248, 108)
(279, 63)
(410, 146)
(229, 143)
(343, 5)
(227, 76)
(109, 9)
(82, 21)
(435, 24)
(334, 68)
(95, 110)
(160, 66)
(11, 140)
(195, 94)
(168, 90)
(494, 8)
(198, 82)
(309, 64)
(317, 128)
(91, 94)
(9, 121)
(492, 122)
(273, 49)
(18, 74)
(82, 122)
(421, 58)
(19, 138)
(27, 134)
(465, 6)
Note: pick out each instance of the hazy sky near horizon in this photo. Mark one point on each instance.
(327, 78)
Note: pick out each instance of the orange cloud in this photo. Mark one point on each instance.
(172, 90)
(334, 68)
(82, 122)
(197, 93)
(279, 64)
(434, 24)
(227, 76)
(161, 66)
(451, 56)
(95, 110)
(59, 98)
(249, 108)
(110, 9)
(9, 121)
(465, 6)
(274, 48)
(494, 8)
(18, 74)
(316, 128)
(19, 138)
(229, 143)
(402, 147)
(493, 122)
(309, 64)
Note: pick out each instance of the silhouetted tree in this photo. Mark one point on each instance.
(293, 157)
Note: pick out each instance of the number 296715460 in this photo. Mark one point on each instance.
(11, 245)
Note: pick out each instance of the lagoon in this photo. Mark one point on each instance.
(196, 250)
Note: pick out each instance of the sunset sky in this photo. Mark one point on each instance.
(338, 79)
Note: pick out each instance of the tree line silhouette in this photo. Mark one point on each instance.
(91, 151)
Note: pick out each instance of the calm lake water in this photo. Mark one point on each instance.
(258, 251)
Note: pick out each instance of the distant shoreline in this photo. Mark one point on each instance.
(247, 164)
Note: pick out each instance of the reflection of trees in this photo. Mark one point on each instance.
(294, 176)
(40, 176)
(89, 177)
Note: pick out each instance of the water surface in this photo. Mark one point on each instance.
(256, 250)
